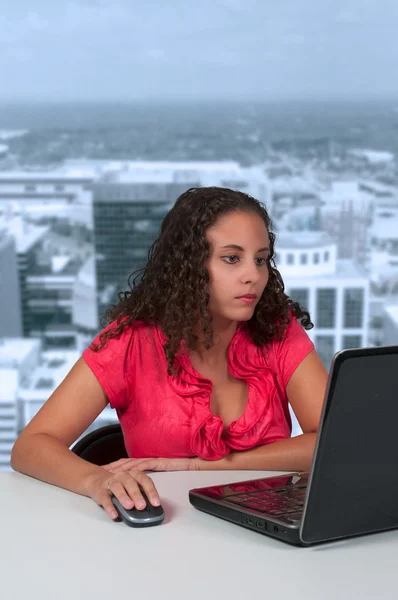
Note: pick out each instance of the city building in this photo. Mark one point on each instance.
(47, 266)
(10, 300)
(18, 357)
(64, 192)
(335, 291)
(84, 305)
(390, 337)
(346, 215)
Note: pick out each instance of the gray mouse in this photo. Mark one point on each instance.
(150, 515)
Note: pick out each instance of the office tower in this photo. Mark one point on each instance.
(10, 301)
(27, 238)
(127, 218)
(48, 264)
(84, 307)
(346, 215)
(335, 291)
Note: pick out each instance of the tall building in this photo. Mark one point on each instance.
(127, 218)
(47, 266)
(28, 239)
(335, 291)
(346, 216)
(84, 309)
(18, 357)
(10, 300)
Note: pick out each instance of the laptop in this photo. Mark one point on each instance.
(352, 488)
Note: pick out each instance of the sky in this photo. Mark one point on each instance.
(198, 49)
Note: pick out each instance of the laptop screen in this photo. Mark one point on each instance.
(354, 481)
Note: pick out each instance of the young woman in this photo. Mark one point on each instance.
(200, 360)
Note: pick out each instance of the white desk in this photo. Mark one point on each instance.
(56, 545)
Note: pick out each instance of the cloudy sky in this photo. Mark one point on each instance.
(163, 49)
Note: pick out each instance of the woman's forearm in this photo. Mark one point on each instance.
(46, 458)
(293, 454)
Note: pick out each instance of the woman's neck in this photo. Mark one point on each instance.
(216, 355)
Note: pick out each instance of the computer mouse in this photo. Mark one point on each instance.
(148, 516)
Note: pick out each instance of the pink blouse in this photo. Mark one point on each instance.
(170, 416)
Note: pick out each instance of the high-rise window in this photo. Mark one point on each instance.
(303, 259)
(300, 295)
(326, 308)
(353, 307)
(325, 347)
(290, 259)
(352, 341)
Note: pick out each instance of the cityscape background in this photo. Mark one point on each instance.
(109, 111)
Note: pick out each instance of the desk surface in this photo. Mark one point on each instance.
(56, 545)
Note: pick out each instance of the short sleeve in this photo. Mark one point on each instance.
(110, 366)
(292, 349)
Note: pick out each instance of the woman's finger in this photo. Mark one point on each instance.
(116, 487)
(105, 501)
(149, 488)
(116, 463)
(130, 465)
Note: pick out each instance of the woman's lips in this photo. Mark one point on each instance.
(247, 299)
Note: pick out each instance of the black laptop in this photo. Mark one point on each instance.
(352, 488)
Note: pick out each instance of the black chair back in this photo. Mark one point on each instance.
(102, 446)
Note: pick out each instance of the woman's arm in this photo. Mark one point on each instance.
(42, 448)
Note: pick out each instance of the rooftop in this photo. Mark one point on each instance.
(373, 156)
(14, 350)
(385, 228)
(26, 234)
(59, 266)
(296, 240)
(168, 171)
(67, 173)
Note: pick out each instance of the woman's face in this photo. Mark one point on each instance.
(237, 265)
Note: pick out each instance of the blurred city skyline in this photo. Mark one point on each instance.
(107, 51)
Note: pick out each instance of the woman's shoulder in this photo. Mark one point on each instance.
(117, 336)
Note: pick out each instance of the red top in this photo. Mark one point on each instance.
(170, 416)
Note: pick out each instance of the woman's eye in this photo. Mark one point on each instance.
(231, 259)
(261, 261)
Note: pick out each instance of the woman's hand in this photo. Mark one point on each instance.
(152, 464)
(126, 486)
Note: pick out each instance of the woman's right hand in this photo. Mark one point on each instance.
(126, 487)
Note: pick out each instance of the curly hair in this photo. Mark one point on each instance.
(171, 291)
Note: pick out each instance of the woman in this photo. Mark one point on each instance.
(200, 360)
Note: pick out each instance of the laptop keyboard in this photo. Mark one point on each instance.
(287, 502)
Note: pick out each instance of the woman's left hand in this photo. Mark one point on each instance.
(152, 464)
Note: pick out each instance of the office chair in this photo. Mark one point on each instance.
(102, 446)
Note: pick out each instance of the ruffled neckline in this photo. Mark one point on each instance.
(245, 361)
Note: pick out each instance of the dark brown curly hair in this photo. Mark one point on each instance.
(171, 291)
